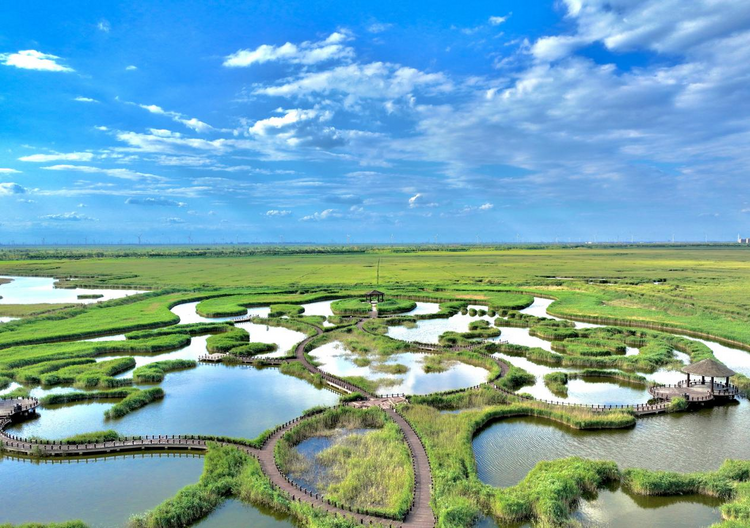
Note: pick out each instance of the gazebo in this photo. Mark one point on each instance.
(374, 295)
(709, 368)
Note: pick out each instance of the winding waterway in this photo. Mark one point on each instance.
(37, 290)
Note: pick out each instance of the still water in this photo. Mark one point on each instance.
(237, 514)
(335, 359)
(101, 491)
(34, 290)
(209, 399)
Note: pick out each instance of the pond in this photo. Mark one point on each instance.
(335, 359)
(187, 314)
(235, 513)
(209, 399)
(429, 330)
(700, 441)
(314, 474)
(35, 290)
(100, 492)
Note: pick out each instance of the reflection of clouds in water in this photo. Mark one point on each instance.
(335, 359)
(34, 290)
(424, 308)
(318, 308)
(428, 331)
(284, 338)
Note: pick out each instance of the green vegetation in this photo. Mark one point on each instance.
(133, 402)
(362, 308)
(544, 496)
(74, 397)
(557, 382)
(66, 524)
(155, 372)
(370, 472)
(290, 310)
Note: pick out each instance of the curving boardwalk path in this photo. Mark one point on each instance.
(419, 516)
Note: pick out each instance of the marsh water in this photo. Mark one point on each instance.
(241, 401)
(103, 492)
(34, 290)
(336, 359)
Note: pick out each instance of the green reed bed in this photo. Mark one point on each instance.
(134, 402)
(290, 310)
(136, 312)
(730, 483)
(190, 329)
(23, 356)
(89, 375)
(544, 497)
(75, 397)
(361, 307)
(371, 472)
(155, 372)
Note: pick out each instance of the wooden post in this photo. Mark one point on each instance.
(688, 379)
(712, 384)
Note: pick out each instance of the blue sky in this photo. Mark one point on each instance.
(272, 121)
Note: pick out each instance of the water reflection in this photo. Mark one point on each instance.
(234, 514)
(36, 290)
(210, 399)
(335, 359)
(102, 492)
(700, 441)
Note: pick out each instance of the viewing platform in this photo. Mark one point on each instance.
(699, 390)
(12, 407)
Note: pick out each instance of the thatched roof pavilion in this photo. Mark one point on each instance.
(375, 295)
(708, 368)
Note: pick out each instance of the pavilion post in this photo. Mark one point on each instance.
(688, 384)
(703, 380)
(712, 384)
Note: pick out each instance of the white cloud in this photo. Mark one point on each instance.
(497, 20)
(306, 53)
(103, 25)
(68, 217)
(277, 212)
(556, 47)
(379, 27)
(125, 174)
(322, 215)
(9, 171)
(156, 202)
(174, 220)
(131, 68)
(82, 99)
(413, 200)
(378, 80)
(263, 126)
(33, 60)
(486, 206)
(58, 156)
(190, 122)
(11, 188)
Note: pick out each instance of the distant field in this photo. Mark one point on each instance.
(691, 287)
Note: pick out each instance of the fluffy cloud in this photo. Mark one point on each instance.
(497, 20)
(58, 156)
(82, 99)
(11, 188)
(68, 217)
(377, 80)
(190, 122)
(486, 206)
(9, 171)
(125, 174)
(305, 53)
(290, 117)
(131, 68)
(277, 212)
(34, 60)
(158, 202)
(413, 200)
(322, 215)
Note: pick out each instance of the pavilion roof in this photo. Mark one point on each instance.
(709, 367)
(375, 292)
